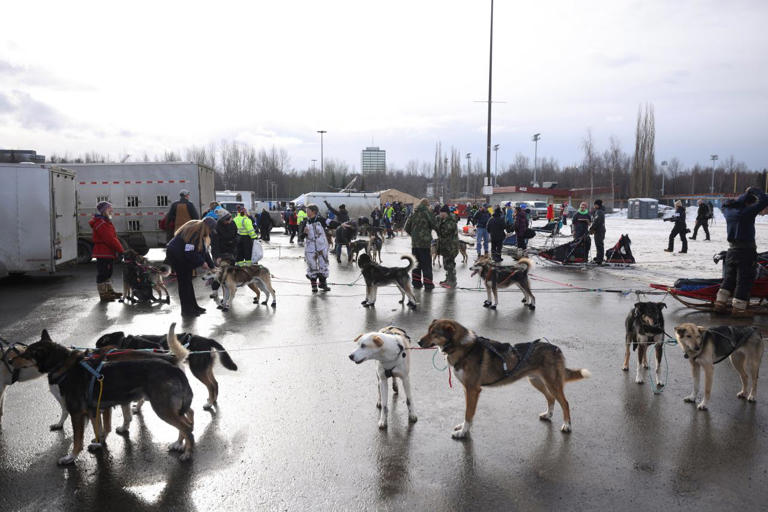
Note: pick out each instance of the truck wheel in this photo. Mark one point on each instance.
(84, 252)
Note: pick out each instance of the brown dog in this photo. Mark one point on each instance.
(479, 362)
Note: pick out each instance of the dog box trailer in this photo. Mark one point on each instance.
(38, 208)
(358, 204)
(141, 195)
(642, 208)
(247, 197)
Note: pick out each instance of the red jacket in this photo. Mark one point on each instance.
(105, 242)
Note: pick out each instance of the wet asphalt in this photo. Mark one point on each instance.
(296, 427)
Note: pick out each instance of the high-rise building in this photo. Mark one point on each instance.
(373, 159)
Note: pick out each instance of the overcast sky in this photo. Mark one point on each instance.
(149, 76)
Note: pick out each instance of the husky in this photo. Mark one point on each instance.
(376, 275)
(497, 276)
(479, 362)
(436, 258)
(141, 279)
(375, 244)
(705, 347)
(645, 327)
(231, 277)
(390, 347)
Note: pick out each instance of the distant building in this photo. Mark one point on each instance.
(373, 159)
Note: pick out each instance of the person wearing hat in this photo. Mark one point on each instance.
(106, 249)
(520, 226)
(265, 224)
(341, 215)
(181, 211)
(448, 244)
(245, 235)
(211, 211)
(186, 251)
(480, 220)
(419, 226)
(316, 249)
(598, 230)
(224, 240)
(678, 229)
(702, 220)
(496, 230)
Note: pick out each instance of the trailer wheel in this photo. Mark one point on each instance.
(84, 251)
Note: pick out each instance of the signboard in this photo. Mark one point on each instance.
(487, 190)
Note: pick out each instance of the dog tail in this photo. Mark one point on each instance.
(411, 261)
(165, 270)
(226, 361)
(577, 374)
(177, 349)
(527, 262)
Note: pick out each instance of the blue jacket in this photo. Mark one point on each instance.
(740, 218)
(481, 218)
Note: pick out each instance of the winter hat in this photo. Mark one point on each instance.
(221, 212)
(678, 203)
(102, 207)
(210, 222)
(445, 209)
(497, 213)
(598, 202)
(183, 192)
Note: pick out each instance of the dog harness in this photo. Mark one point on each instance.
(401, 353)
(5, 348)
(526, 349)
(726, 339)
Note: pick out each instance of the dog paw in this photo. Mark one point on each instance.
(689, 399)
(702, 406)
(225, 309)
(524, 301)
(95, 447)
(378, 405)
(412, 305)
(751, 398)
(56, 426)
(176, 447)
(167, 300)
(531, 306)
(255, 301)
(274, 304)
(545, 416)
(625, 368)
(208, 407)
(400, 301)
(459, 432)
(412, 418)
(219, 307)
(741, 394)
(264, 303)
(566, 428)
(67, 460)
(639, 380)
(186, 456)
(382, 424)
(492, 306)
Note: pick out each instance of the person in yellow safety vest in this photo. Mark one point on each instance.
(389, 212)
(245, 235)
(301, 216)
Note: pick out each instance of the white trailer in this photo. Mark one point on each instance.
(38, 208)
(141, 194)
(358, 204)
(247, 197)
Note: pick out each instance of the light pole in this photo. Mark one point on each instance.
(663, 174)
(469, 170)
(313, 164)
(322, 165)
(712, 185)
(496, 163)
(536, 138)
(267, 182)
(490, 84)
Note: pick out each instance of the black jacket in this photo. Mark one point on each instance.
(496, 228)
(678, 218)
(265, 221)
(481, 218)
(224, 241)
(703, 212)
(598, 221)
(342, 215)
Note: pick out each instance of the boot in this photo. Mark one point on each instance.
(324, 284)
(104, 294)
(115, 295)
(313, 281)
(740, 309)
(721, 302)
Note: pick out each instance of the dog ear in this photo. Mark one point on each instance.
(701, 329)
(378, 341)
(661, 305)
(44, 336)
(680, 330)
(358, 337)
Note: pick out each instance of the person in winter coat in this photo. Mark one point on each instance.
(550, 212)
(419, 226)
(497, 231)
(211, 211)
(509, 216)
(520, 227)
(598, 230)
(448, 245)
(580, 228)
(292, 221)
(471, 215)
(678, 229)
(224, 240)
(702, 220)
(265, 224)
(181, 211)
(740, 260)
(480, 220)
(301, 219)
(106, 249)
(187, 251)
(245, 235)
(316, 249)
(389, 214)
(342, 215)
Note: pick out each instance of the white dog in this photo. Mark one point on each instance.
(390, 347)
(10, 375)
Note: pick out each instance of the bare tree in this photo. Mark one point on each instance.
(644, 160)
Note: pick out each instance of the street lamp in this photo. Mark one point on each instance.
(536, 139)
(712, 185)
(322, 166)
(663, 174)
(496, 163)
(469, 171)
(490, 103)
(313, 164)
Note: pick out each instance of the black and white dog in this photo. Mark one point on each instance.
(645, 327)
(376, 275)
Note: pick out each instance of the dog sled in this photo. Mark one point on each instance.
(700, 293)
(575, 253)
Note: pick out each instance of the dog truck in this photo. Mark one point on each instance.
(141, 195)
(38, 208)
(358, 204)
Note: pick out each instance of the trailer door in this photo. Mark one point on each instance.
(65, 218)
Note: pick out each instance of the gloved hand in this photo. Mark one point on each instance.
(120, 258)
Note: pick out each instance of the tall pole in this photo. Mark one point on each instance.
(496, 164)
(490, 84)
(469, 171)
(712, 185)
(322, 164)
(663, 175)
(536, 139)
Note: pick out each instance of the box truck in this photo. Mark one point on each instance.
(141, 195)
(38, 210)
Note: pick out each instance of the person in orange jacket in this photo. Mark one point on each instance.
(106, 249)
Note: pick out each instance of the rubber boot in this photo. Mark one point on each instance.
(313, 281)
(721, 302)
(115, 295)
(740, 309)
(104, 294)
(324, 284)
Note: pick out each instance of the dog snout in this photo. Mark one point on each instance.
(351, 357)
(424, 342)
